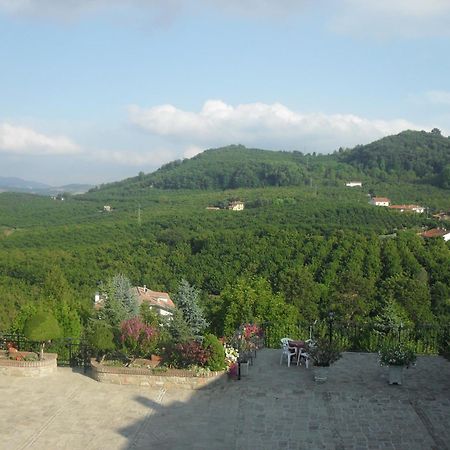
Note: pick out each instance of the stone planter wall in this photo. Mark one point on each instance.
(172, 378)
(15, 368)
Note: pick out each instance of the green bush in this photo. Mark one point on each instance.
(42, 326)
(101, 337)
(216, 360)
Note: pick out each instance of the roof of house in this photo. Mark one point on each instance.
(380, 199)
(434, 232)
(154, 298)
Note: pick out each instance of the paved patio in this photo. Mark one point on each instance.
(275, 407)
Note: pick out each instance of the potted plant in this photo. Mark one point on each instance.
(396, 357)
(323, 353)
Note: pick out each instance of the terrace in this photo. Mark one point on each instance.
(274, 407)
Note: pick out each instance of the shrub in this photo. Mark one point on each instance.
(397, 355)
(216, 360)
(138, 339)
(324, 353)
(186, 354)
(101, 337)
(42, 327)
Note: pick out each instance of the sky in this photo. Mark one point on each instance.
(93, 91)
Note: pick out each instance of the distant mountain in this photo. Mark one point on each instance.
(14, 184)
(411, 156)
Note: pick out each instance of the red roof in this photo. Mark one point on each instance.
(380, 199)
(434, 232)
(154, 298)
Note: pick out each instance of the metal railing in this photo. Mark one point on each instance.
(71, 352)
(365, 337)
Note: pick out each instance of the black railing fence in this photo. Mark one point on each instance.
(365, 337)
(71, 352)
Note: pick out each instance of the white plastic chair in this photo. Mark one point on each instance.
(287, 352)
(303, 355)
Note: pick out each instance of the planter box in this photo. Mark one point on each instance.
(22, 368)
(396, 374)
(172, 378)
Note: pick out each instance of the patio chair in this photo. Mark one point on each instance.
(287, 352)
(303, 355)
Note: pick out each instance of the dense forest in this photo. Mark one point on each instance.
(309, 248)
(411, 156)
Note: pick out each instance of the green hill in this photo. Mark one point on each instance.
(411, 156)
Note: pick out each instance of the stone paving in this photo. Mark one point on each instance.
(274, 407)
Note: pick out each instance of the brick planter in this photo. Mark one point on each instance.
(15, 368)
(172, 378)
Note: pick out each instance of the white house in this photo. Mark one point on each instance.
(236, 206)
(380, 201)
(159, 301)
(354, 184)
(412, 208)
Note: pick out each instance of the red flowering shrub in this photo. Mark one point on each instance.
(186, 354)
(138, 339)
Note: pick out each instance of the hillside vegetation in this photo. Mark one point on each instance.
(411, 156)
(315, 247)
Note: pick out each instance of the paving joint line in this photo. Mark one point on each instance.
(440, 443)
(159, 399)
(34, 437)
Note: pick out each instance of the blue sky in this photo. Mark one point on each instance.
(95, 91)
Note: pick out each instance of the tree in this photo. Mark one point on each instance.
(251, 300)
(42, 327)
(299, 289)
(120, 300)
(101, 337)
(60, 298)
(186, 300)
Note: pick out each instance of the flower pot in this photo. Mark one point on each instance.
(321, 373)
(396, 374)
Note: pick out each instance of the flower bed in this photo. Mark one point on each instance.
(154, 377)
(19, 367)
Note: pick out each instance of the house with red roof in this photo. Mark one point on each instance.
(380, 201)
(159, 301)
(437, 233)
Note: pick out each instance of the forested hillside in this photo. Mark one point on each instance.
(319, 249)
(411, 156)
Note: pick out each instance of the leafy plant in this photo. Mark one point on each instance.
(42, 327)
(323, 353)
(186, 354)
(101, 338)
(138, 339)
(397, 355)
(216, 360)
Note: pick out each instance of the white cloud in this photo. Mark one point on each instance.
(25, 141)
(77, 8)
(438, 97)
(153, 158)
(369, 18)
(390, 18)
(261, 124)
